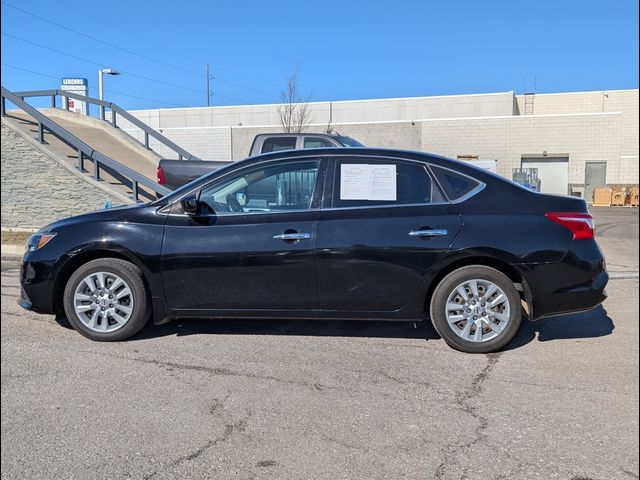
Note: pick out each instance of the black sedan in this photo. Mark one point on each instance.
(325, 234)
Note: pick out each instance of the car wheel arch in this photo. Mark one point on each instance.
(500, 265)
(76, 260)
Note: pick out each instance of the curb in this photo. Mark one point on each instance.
(623, 275)
(20, 229)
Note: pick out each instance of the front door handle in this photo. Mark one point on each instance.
(436, 232)
(292, 236)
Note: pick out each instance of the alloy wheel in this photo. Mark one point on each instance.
(103, 302)
(477, 310)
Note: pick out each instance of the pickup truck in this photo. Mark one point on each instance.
(175, 173)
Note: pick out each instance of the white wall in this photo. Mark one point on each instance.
(415, 108)
(584, 137)
(572, 124)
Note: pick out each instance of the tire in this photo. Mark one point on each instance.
(122, 299)
(481, 321)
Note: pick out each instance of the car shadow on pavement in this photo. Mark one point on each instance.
(592, 324)
(315, 328)
(595, 323)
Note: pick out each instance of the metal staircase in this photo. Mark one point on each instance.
(126, 174)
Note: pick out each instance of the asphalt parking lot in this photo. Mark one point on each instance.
(298, 400)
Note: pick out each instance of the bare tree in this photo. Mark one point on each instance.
(294, 111)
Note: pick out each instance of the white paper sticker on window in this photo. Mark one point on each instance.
(367, 182)
(353, 181)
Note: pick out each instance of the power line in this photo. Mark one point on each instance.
(100, 64)
(142, 38)
(92, 88)
(134, 35)
(53, 50)
(120, 93)
(229, 98)
(112, 45)
(163, 47)
(29, 71)
(242, 86)
(131, 52)
(117, 92)
(141, 98)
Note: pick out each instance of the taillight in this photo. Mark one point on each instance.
(580, 224)
(160, 175)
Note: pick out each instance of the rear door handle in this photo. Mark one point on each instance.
(292, 236)
(428, 233)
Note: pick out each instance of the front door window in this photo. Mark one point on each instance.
(277, 187)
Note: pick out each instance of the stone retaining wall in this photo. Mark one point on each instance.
(37, 189)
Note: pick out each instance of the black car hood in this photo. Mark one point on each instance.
(99, 215)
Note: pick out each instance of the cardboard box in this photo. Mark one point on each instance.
(633, 196)
(618, 198)
(602, 197)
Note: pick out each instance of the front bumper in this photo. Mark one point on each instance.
(37, 284)
(24, 300)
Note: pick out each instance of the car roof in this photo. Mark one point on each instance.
(296, 155)
(302, 134)
(431, 158)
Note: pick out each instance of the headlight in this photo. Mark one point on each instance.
(39, 240)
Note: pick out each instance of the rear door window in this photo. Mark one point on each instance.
(375, 182)
(276, 144)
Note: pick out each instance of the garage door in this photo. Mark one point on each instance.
(553, 173)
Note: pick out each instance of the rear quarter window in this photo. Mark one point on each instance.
(454, 184)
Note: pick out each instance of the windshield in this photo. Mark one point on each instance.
(349, 142)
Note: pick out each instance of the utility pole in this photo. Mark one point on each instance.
(208, 78)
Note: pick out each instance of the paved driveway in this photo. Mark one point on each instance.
(298, 400)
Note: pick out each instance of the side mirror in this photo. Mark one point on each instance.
(190, 205)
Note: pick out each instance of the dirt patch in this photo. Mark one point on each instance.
(15, 238)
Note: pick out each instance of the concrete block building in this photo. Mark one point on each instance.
(577, 141)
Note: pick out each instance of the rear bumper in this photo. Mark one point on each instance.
(576, 300)
(575, 284)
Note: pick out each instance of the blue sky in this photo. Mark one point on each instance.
(342, 50)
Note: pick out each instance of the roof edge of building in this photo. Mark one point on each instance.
(430, 120)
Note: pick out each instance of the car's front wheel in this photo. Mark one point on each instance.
(476, 309)
(106, 300)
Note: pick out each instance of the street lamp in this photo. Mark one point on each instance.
(104, 71)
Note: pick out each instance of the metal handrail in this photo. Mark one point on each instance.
(148, 131)
(113, 167)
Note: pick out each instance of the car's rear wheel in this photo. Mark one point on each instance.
(106, 300)
(476, 309)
